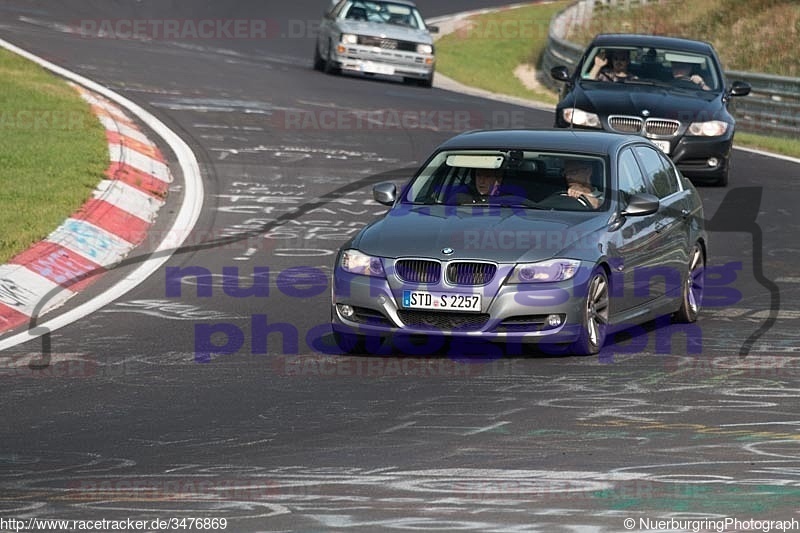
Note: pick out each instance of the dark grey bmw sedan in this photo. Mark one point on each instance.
(558, 237)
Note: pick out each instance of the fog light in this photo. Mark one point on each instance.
(712, 162)
(346, 311)
(553, 320)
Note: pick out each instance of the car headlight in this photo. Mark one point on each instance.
(424, 49)
(712, 128)
(545, 271)
(349, 38)
(579, 117)
(356, 262)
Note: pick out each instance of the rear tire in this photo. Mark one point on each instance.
(692, 290)
(595, 313)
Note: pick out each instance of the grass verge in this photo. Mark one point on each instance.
(53, 153)
(485, 54)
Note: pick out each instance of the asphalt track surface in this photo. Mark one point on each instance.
(126, 423)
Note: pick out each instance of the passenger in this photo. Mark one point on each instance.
(618, 71)
(683, 71)
(578, 174)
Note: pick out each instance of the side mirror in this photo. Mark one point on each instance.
(385, 193)
(640, 205)
(433, 29)
(560, 73)
(740, 88)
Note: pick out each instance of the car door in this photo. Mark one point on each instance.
(672, 232)
(634, 244)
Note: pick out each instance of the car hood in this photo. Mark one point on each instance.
(385, 31)
(627, 99)
(490, 233)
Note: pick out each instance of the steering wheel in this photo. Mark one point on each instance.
(580, 199)
(686, 83)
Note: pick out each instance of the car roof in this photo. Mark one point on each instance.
(656, 41)
(560, 140)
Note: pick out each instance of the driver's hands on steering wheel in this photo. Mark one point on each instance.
(581, 198)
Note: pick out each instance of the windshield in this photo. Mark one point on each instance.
(513, 178)
(385, 13)
(660, 66)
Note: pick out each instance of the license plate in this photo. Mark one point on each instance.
(441, 301)
(664, 145)
(376, 68)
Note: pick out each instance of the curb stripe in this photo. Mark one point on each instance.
(158, 169)
(130, 199)
(138, 180)
(148, 150)
(114, 220)
(105, 105)
(123, 129)
(91, 242)
(22, 290)
(102, 112)
(57, 264)
(10, 318)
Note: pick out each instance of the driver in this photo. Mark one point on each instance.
(487, 183)
(578, 174)
(683, 71)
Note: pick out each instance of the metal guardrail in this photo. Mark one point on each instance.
(773, 106)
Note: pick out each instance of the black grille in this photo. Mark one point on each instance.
(659, 126)
(418, 271)
(387, 44)
(523, 323)
(470, 273)
(625, 124)
(443, 321)
(363, 315)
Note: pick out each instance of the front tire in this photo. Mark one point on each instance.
(692, 290)
(595, 313)
(426, 82)
(330, 65)
(319, 63)
(348, 342)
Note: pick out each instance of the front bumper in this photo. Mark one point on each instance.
(373, 60)
(510, 313)
(692, 155)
